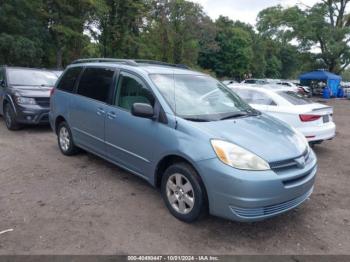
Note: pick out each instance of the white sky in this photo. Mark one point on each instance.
(245, 10)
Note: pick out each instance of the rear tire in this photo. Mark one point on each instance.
(183, 193)
(10, 119)
(65, 140)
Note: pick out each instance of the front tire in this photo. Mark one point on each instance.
(183, 193)
(10, 119)
(65, 140)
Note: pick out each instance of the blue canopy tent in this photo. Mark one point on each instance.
(332, 80)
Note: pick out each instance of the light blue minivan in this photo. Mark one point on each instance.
(186, 133)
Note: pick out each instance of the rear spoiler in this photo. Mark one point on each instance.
(322, 108)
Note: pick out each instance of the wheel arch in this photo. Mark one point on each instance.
(8, 100)
(59, 119)
(168, 160)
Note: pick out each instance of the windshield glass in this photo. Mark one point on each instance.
(294, 98)
(200, 97)
(29, 77)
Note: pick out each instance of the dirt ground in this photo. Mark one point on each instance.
(84, 205)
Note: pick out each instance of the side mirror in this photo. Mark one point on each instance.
(142, 110)
(2, 83)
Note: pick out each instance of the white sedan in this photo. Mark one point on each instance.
(314, 120)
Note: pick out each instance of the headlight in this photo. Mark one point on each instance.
(25, 100)
(238, 157)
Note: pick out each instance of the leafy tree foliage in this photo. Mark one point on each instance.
(52, 33)
(120, 25)
(234, 53)
(346, 75)
(325, 25)
(21, 34)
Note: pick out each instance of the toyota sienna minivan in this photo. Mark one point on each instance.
(186, 133)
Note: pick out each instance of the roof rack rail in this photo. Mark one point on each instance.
(105, 60)
(153, 62)
(131, 62)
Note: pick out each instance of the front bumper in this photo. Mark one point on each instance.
(249, 196)
(32, 115)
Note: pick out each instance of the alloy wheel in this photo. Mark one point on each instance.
(180, 193)
(64, 139)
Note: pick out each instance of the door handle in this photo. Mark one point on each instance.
(111, 115)
(100, 111)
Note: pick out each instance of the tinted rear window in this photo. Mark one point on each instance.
(294, 98)
(95, 83)
(69, 79)
(30, 77)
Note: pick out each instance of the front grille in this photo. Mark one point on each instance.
(43, 101)
(270, 210)
(297, 180)
(290, 163)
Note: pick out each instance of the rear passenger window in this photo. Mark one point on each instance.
(132, 90)
(96, 83)
(69, 79)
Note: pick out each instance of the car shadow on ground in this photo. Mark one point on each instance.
(36, 129)
(42, 128)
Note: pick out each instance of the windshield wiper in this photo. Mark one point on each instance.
(196, 119)
(235, 115)
(253, 112)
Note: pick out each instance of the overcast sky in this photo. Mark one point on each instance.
(244, 10)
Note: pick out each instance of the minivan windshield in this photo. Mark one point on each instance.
(200, 98)
(31, 77)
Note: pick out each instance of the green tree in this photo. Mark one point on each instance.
(346, 75)
(325, 25)
(121, 25)
(66, 23)
(234, 54)
(174, 30)
(22, 33)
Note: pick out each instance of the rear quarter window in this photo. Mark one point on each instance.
(69, 79)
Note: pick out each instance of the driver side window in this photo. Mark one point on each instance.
(131, 90)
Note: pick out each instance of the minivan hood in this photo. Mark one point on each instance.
(263, 135)
(32, 91)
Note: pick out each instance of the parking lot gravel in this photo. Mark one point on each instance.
(85, 205)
